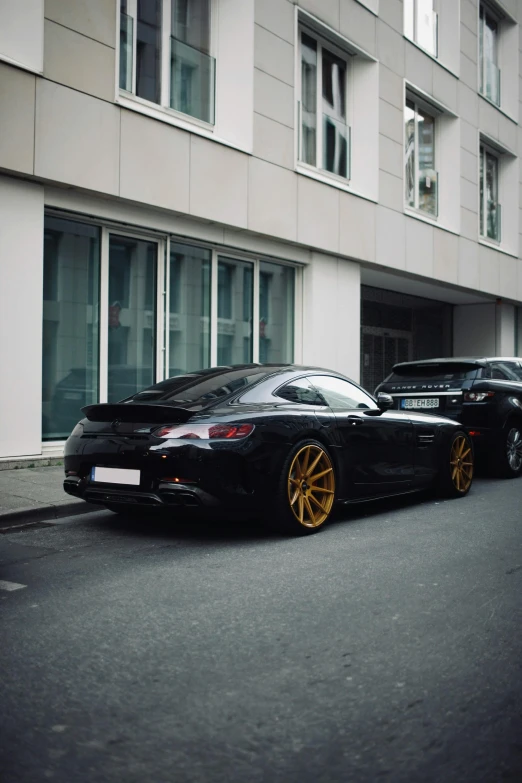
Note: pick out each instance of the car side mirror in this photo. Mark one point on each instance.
(384, 401)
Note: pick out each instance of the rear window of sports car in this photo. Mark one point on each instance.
(436, 372)
(201, 388)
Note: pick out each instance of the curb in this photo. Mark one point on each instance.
(32, 515)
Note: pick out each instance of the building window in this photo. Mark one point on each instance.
(490, 211)
(489, 72)
(276, 312)
(189, 309)
(166, 308)
(420, 176)
(235, 323)
(70, 324)
(165, 55)
(421, 24)
(324, 135)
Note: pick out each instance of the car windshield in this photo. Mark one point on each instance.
(202, 387)
(452, 371)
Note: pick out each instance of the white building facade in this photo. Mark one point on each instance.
(185, 183)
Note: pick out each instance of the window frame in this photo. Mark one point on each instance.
(345, 56)
(164, 106)
(434, 113)
(484, 151)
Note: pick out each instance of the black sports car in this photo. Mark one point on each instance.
(282, 440)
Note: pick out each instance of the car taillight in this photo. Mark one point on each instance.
(477, 396)
(205, 431)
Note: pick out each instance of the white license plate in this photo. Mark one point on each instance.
(115, 476)
(420, 402)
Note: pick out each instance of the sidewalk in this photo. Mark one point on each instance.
(30, 495)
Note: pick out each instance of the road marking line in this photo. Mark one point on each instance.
(10, 585)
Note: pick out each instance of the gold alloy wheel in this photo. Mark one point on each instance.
(311, 486)
(461, 462)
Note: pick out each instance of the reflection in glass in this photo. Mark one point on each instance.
(191, 23)
(234, 319)
(189, 318)
(335, 131)
(132, 316)
(490, 208)
(409, 153)
(192, 70)
(126, 36)
(488, 57)
(420, 176)
(192, 81)
(70, 324)
(427, 173)
(308, 99)
(426, 27)
(148, 50)
(276, 313)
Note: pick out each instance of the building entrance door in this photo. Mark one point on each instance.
(381, 349)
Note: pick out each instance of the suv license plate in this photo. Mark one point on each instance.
(421, 402)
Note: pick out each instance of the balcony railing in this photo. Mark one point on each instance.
(192, 81)
(126, 41)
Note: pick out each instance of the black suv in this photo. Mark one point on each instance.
(485, 395)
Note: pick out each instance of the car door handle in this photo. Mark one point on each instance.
(355, 420)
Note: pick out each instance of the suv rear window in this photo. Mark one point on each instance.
(436, 372)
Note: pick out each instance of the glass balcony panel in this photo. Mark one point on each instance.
(493, 210)
(192, 81)
(336, 146)
(491, 82)
(427, 27)
(428, 192)
(126, 37)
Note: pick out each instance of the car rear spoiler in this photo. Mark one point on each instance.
(155, 414)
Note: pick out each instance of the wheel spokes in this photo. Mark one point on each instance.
(311, 473)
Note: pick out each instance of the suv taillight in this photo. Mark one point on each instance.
(477, 396)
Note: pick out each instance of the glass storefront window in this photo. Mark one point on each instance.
(276, 313)
(211, 316)
(189, 306)
(70, 324)
(132, 316)
(235, 288)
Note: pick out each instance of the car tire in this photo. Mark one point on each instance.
(305, 493)
(507, 459)
(457, 469)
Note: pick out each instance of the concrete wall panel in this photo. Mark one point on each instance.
(96, 18)
(17, 102)
(77, 138)
(21, 285)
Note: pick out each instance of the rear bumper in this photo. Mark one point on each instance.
(166, 495)
(232, 475)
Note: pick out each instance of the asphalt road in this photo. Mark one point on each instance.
(387, 647)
